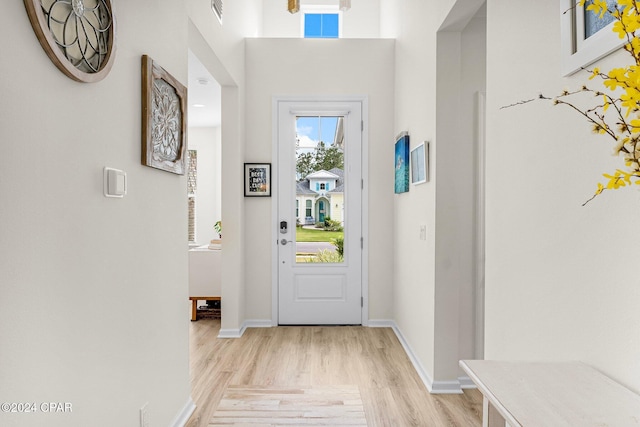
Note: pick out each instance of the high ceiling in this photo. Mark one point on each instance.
(204, 96)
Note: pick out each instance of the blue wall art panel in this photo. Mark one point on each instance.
(402, 163)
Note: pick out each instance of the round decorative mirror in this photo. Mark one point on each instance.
(77, 35)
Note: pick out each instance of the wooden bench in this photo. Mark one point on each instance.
(194, 305)
(550, 394)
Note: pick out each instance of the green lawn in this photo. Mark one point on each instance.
(316, 235)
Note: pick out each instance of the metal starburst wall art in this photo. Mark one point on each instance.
(77, 35)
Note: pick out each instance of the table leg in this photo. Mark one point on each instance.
(194, 310)
(490, 415)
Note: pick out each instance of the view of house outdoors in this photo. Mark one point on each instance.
(320, 207)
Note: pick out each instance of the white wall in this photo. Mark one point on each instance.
(561, 280)
(437, 74)
(474, 80)
(308, 67)
(83, 276)
(389, 19)
(242, 18)
(278, 22)
(361, 21)
(414, 278)
(461, 74)
(208, 197)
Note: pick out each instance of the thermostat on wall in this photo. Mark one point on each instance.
(115, 183)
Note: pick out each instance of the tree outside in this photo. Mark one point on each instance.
(313, 154)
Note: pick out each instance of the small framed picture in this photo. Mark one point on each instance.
(420, 163)
(257, 179)
(402, 163)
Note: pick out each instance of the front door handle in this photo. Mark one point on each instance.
(285, 241)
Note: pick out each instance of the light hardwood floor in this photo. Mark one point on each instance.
(370, 358)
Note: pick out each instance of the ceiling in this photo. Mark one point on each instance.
(204, 96)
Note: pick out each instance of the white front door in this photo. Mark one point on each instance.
(319, 203)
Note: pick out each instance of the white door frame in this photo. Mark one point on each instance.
(479, 250)
(365, 196)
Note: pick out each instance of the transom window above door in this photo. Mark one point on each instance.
(321, 22)
(321, 25)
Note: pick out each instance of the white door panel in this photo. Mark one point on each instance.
(312, 292)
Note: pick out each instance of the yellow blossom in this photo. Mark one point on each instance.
(617, 180)
(615, 78)
(599, 7)
(633, 47)
(598, 128)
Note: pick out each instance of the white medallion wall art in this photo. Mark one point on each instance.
(164, 118)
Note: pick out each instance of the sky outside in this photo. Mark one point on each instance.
(321, 25)
(311, 130)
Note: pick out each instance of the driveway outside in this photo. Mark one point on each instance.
(313, 247)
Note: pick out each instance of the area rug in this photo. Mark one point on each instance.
(290, 406)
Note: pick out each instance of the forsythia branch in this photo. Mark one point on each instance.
(621, 94)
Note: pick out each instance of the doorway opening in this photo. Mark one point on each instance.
(204, 188)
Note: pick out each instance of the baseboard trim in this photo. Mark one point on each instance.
(422, 373)
(381, 323)
(466, 383)
(434, 387)
(257, 323)
(231, 333)
(446, 387)
(237, 333)
(184, 415)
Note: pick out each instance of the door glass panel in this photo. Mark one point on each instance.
(320, 189)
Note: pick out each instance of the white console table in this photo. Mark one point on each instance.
(569, 394)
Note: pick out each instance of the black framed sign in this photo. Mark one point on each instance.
(257, 179)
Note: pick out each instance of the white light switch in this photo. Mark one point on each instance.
(423, 232)
(115, 183)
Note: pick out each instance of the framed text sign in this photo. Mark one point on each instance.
(257, 179)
